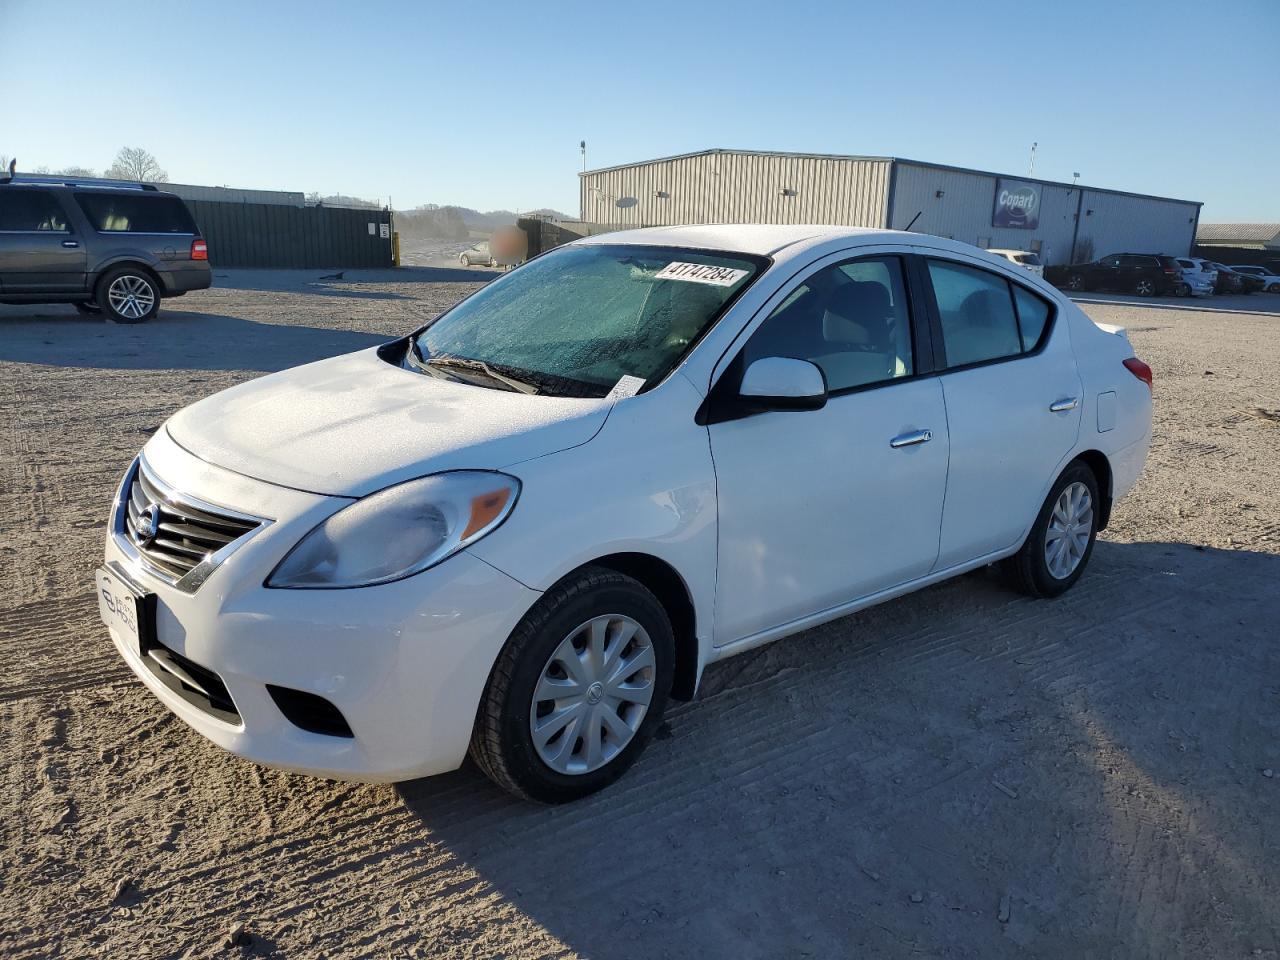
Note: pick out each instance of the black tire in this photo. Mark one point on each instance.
(137, 277)
(1027, 570)
(88, 308)
(1274, 288)
(501, 742)
(1182, 290)
(1076, 282)
(1145, 288)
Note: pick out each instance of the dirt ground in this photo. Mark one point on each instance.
(959, 773)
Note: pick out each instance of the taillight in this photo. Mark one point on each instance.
(199, 250)
(1139, 370)
(1170, 271)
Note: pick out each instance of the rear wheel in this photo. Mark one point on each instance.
(1075, 282)
(1145, 288)
(1181, 290)
(128, 295)
(578, 690)
(462, 259)
(1060, 543)
(1274, 288)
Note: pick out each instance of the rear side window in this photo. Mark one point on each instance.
(31, 211)
(1188, 264)
(135, 213)
(1027, 259)
(976, 310)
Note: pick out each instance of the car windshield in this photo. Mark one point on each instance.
(577, 320)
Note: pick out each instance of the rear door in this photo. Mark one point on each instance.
(39, 252)
(1012, 396)
(1107, 274)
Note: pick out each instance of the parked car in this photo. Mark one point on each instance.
(1233, 282)
(1197, 278)
(1145, 274)
(480, 254)
(521, 529)
(1270, 281)
(105, 246)
(1023, 258)
(1226, 281)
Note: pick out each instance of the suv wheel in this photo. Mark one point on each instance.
(1061, 540)
(128, 295)
(1145, 288)
(1075, 282)
(578, 690)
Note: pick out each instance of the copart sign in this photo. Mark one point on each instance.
(1017, 205)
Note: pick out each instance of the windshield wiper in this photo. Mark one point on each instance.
(475, 366)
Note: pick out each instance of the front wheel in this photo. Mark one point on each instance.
(1145, 288)
(128, 295)
(578, 690)
(1060, 543)
(1274, 288)
(1075, 282)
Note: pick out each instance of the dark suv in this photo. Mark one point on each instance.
(108, 247)
(1145, 274)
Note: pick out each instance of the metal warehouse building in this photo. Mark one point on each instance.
(1062, 222)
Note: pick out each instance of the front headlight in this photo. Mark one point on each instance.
(400, 531)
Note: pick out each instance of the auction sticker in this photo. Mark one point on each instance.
(627, 386)
(701, 273)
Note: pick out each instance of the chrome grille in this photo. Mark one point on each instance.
(179, 538)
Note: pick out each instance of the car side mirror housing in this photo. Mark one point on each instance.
(783, 383)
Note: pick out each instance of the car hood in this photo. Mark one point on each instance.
(354, 424)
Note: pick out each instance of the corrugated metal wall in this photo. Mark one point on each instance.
(1124, 224)
(963, 212)
(1118, 222)
(739, 188)
(274, 235)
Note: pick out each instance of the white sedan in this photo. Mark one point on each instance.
(520, 530)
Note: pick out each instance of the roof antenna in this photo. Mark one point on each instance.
(913, 220)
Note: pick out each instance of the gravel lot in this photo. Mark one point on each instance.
(960, 773)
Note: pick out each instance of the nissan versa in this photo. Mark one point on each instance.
(518, 531)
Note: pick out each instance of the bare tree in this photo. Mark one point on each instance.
(77, 172)
(134, 163)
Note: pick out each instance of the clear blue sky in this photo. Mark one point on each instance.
(483, 103)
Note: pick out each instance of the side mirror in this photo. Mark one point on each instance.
(783, 383)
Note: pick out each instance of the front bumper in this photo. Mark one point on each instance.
(405, 663)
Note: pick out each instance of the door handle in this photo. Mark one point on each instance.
(911, 439)
(70, 243)
(1062, 406)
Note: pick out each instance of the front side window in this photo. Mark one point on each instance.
(577, 320)
(976, 311)
(135, 213)
(851, 319)
(31, 211)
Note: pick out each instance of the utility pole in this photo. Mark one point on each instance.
(583, 147)
(1032, 171)
(1075, 178)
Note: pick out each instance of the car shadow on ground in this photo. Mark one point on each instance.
(58, 336)
(962, 769)
(1263, 304)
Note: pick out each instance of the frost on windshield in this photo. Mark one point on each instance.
(592, 314)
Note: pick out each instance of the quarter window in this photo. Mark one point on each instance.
(851, 319)
(1033, 316)
(976, 310)
(31, 211)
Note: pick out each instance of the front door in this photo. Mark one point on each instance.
(38, 251)
(821, 507)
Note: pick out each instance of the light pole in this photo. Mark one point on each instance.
(1032, 171)
(582, 145)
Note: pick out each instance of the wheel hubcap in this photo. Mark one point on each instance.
(131, 297)
(1070, 527)
(592, 695)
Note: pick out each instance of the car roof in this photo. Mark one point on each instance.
(765, 239)
(1007, 250)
